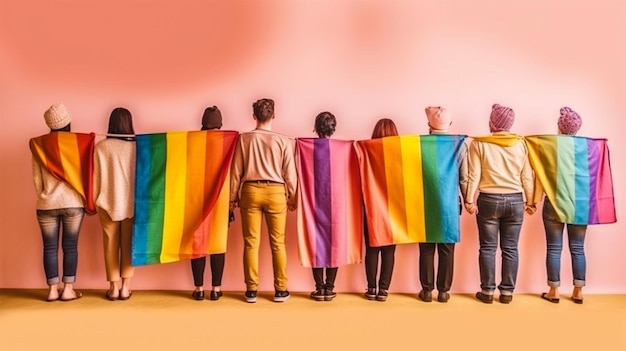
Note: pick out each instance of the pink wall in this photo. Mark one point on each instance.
(363, 60)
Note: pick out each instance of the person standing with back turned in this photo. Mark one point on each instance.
(499, 169)
(263, 184)
(439, 120)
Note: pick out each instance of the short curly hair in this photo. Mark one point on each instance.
(263, 109)
(325, 124)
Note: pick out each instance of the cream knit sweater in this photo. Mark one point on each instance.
(52, 193)
(114, 177)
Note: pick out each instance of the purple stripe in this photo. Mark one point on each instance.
(593, 157)
(323, 211)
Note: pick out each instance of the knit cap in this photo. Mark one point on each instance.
(501, 118)
(569, 122)
(212, 118)
(57, 116)
(438, 117)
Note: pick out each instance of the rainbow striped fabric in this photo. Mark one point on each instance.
(575, 174)
(410, 188)
(182, 192)
(330, 204)
(69, 157)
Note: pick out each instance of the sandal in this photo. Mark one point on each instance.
(109, 295)
(548, 298)
(77, 295)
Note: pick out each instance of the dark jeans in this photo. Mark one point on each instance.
(318, 275)
(217, 269)
(554, 239)
(51, 222)
(499, 216)
(445, 268)
(387, 258)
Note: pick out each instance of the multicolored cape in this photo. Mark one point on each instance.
(330, 205)
(410, 188)
(68, 157)
(182, 194)
(575, 174)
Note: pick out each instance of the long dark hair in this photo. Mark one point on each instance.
(384, 128)
(121, 122)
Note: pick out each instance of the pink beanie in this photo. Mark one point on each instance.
(438, 118)
(569, 123)
(501, 118)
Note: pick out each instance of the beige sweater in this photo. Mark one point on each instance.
(53, 193)
(114, 178)
(495, 169)
(263, 155)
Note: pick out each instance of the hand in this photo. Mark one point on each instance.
(530, 209)
(470, 208)
(233, 204)
(291, 205)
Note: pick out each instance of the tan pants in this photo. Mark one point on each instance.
(117, 240)
(258, 200)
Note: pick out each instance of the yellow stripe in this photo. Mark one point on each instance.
(175, 180)
(412, 169)
(395, 187)
(70, 159)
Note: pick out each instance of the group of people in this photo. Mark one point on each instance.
(264, 183)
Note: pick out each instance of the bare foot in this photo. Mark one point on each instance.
(53, 294)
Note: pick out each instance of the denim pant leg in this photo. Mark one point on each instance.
(576, 238)
(72, 219)
(488, 222)
(49, 223)
(554, 244)
(510, 227)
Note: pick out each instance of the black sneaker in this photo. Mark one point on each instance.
(281, 296)
(484, 298)
(318, 295)
(198, 295)
(382, 295)
(370, 294)
(426, 296)
(505, 299)
(215, 295)
(329, 294)
(443, 296)
(250, 296)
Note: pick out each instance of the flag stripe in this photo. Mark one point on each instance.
(323, 215)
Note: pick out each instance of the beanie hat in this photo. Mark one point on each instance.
(501, 118)
(569, 122)
(57, 116)
(212, 118)
(438, 118)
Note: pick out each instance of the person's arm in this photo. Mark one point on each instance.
(473, 177)
(37, 177)
(463, 171)
(236, 173)
(290, 175)
(528, 184)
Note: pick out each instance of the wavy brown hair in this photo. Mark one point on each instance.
(384, 128)
(263, 109)
(325, 124)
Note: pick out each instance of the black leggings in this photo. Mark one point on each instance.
(387, 258)
(217, 269)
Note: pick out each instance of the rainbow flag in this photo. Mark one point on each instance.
(410, 188)
(575, 174)
(182, 194)
(330, 204)
(69, 157)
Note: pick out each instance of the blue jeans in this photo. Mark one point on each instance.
(50, 222)
(499, 215)
(554, 239)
